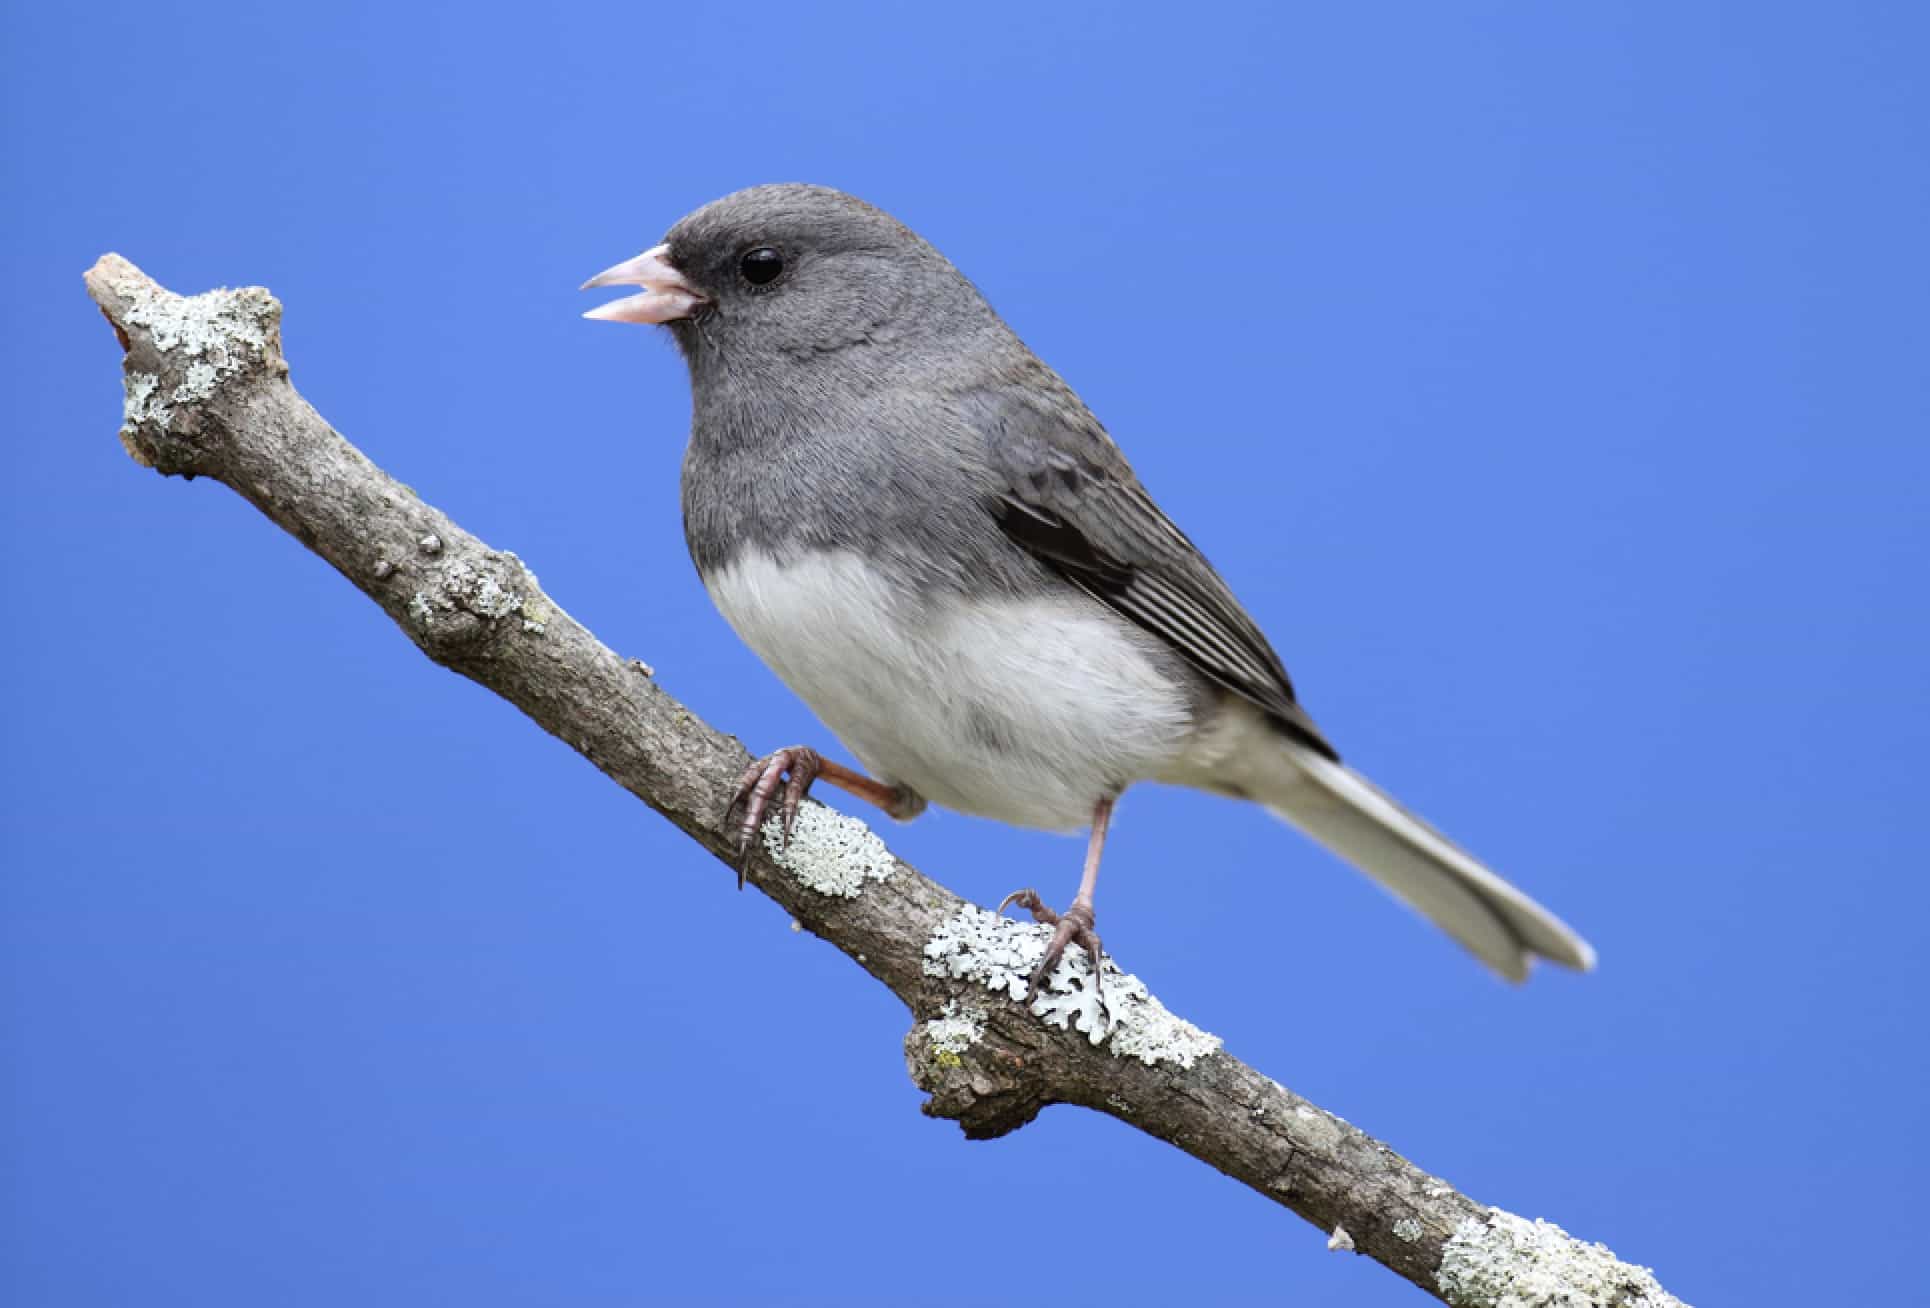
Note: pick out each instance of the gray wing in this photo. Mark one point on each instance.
(1067, 495)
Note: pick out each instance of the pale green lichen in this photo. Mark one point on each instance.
(959, 1028)
(829, 852)
(484, 590)
(204, 339)
(1407, 1230)
(214, 336)
(479, 590)
(1505, 1261)
(139, 407)
(197, 383)
(999, 954)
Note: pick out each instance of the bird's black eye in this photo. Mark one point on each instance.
(761, 266)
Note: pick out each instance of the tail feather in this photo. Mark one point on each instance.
(1357, 820)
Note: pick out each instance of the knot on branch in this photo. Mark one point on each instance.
(465, 601)
(974, 1076)
(182, 350)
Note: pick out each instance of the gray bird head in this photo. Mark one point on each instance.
(800, 274)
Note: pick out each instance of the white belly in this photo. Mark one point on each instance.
(1029, 711)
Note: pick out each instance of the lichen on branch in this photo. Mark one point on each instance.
(207, 394)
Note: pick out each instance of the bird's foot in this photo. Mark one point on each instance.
(795, 767)
(1074, 926)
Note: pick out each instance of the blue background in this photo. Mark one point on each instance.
(1550, 380)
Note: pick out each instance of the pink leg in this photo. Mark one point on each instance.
(1076, 923)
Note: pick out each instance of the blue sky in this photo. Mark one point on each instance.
(1550, 381)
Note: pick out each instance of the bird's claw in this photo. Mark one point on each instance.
(796, 766)
(1075, 925)
(1028, 899)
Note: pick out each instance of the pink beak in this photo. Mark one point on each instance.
(666, 297)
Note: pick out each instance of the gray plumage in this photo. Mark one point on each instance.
(928, 536)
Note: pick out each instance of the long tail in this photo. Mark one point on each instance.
(1364, 825)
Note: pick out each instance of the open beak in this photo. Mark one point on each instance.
(666, 296)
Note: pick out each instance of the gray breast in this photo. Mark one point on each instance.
(895, 476)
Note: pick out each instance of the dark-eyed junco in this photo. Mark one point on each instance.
(926, 534)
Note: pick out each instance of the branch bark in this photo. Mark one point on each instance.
(208, 395)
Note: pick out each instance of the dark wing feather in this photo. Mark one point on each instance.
(1066, 494)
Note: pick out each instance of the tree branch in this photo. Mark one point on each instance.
(208, 395)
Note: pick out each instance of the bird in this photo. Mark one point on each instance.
(927, 535)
